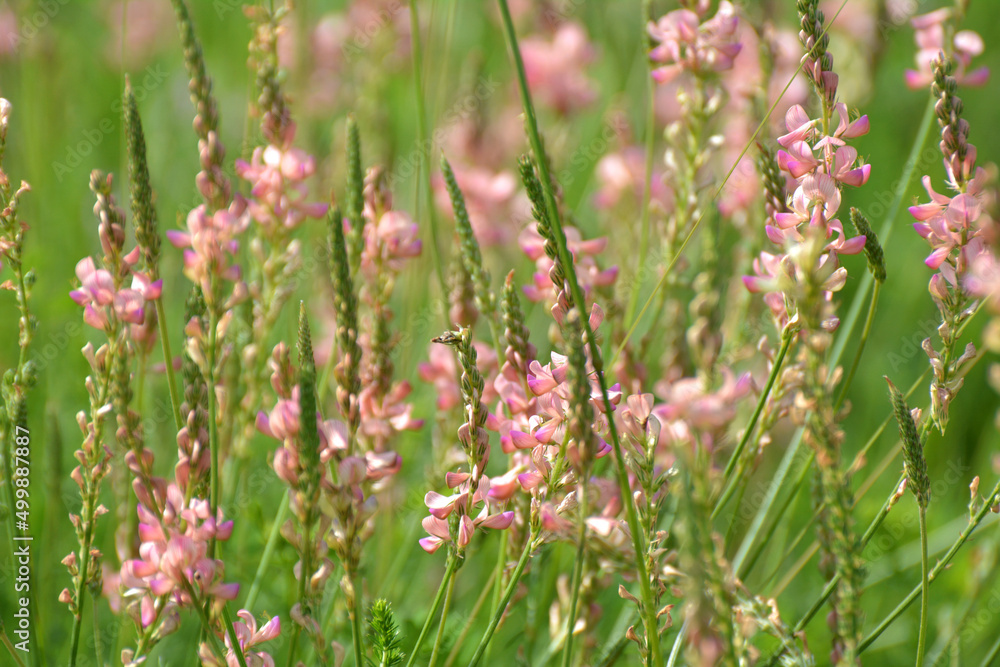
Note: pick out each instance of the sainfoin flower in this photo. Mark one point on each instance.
(590, 275)
(930, 38)
(173, 552)
(688, 44)
(210, 243)
(810, 235)
(248, 636)
(279, 190)
(555, 69)
(100, 299)
(464, 503)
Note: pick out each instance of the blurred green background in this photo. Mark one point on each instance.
(64, 78)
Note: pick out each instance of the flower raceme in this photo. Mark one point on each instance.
(809, 233)
(556, 70)
(590, 275)
(173, 552)
(100, 299)
(210, 243)
(278, 175)
(931, 42)
(686, 44)
(248, 636)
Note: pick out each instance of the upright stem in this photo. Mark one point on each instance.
(175, 401)
(581, 535)
(566, 259)
(444, 619)
(469, 620)
(779, 361)
(924, 588)
(356, 614)
(647, 192)
(265, 559)
(423, 143)
(861, 346)
(938, 568)
(10, 647)
(515, 577)
(449, 570)
(213, 427)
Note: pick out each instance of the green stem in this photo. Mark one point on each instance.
(992, 655)
(566, 259)
(10, 648)
(581, 528)
(213, 427)
(444, 619)
(845, 330)
(938, 568)
(694, 228)
(233, 639)
(206, 624)
(647, 179)
(501, 560)
(786, 341)
(529, 547)
(476, 608)
(450, 567)
(424, 145)
(861, 346)
(265, 559)
(175, 401)
(356, 613)
(924, 588)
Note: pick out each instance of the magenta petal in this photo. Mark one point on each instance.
(523, 440)
(430, 544)
(226, 591)
(498, 521)
(852, 246)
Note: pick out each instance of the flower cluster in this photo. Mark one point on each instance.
(248, 636)
(585, 253)
(932, 40)
(174, 562)
(556, 69)
(102, 292)
(278, 175)
(810, 235)
(687, 43)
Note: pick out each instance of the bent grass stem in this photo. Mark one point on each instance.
(974, 522)
(566, 259)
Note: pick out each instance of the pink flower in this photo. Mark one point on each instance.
(491, 199)
(930, 38)
(622, 177)
(590, 275)
(210, 244)
(247, 636)
(381, 418)
(279, 192)
(441, 370)
(173, 550)
(687, 44)
(556, 69)
(99, 298)
(392, 241)
(690, 401)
